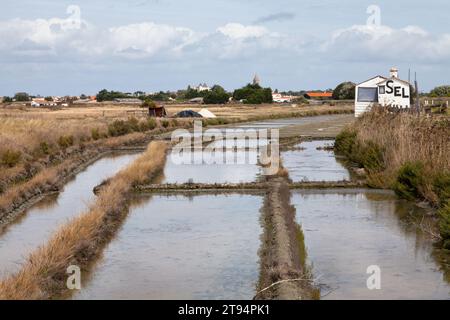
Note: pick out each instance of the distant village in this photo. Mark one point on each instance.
(193, 94)
(387, 90)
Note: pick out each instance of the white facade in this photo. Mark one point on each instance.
(202, 87)
(279, 98)
(383, 91)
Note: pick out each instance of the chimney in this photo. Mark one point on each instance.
(394, 72)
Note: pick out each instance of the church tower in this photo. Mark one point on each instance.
(256, 80)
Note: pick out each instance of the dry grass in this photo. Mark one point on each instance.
(404, 138)
(47, 180)
(82, 239)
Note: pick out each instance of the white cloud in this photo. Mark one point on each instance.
(149, 38)
(238, 31)
(60, 40)
(235, 40)
(60, 37)
(364, 42)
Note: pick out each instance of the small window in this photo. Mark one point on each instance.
(367, 94)
(382, 90)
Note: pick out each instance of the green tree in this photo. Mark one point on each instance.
(7, 99)
(253, 94)
(22, 96)
(441, 91)
(344, 91)
(105, 95)
(217, 95)
(48, 98)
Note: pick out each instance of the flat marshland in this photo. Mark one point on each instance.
(40, 148)
(82, 238)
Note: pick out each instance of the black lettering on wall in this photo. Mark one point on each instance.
(389, 88)
(404, 95)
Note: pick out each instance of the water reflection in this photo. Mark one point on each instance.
(174, 247)
(310, 164)
(242, 167)
(347, 231)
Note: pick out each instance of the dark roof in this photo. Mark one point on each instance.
(188, 114)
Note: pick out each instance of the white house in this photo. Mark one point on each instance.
(384, 91)
(279, 98)
(202, 87)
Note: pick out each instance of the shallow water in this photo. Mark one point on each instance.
(236, 166)
(348, 231)
(311, 164)
(37, 223)
(177, 247)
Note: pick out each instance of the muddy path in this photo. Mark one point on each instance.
(282, 274)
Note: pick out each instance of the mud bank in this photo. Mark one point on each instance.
(237, 187)
(62, 174)
(283, 275)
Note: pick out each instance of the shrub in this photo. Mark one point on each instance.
(44, 147)
(95, 134)
(444, 225)
(151, 122)
(165, 123)
(10, 158)
(409, 180)
(210, 122)
(119, 128)
(369, 155)
(345, 141)
(133, 124)
(441, 186)
(65, 141)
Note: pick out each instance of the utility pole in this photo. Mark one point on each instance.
(416, 102)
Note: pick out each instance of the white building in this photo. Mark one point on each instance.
(279, 98)
(384, 91)
(202, 87)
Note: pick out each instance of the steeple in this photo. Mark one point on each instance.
(256, 80)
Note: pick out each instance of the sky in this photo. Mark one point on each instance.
(72, 47)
